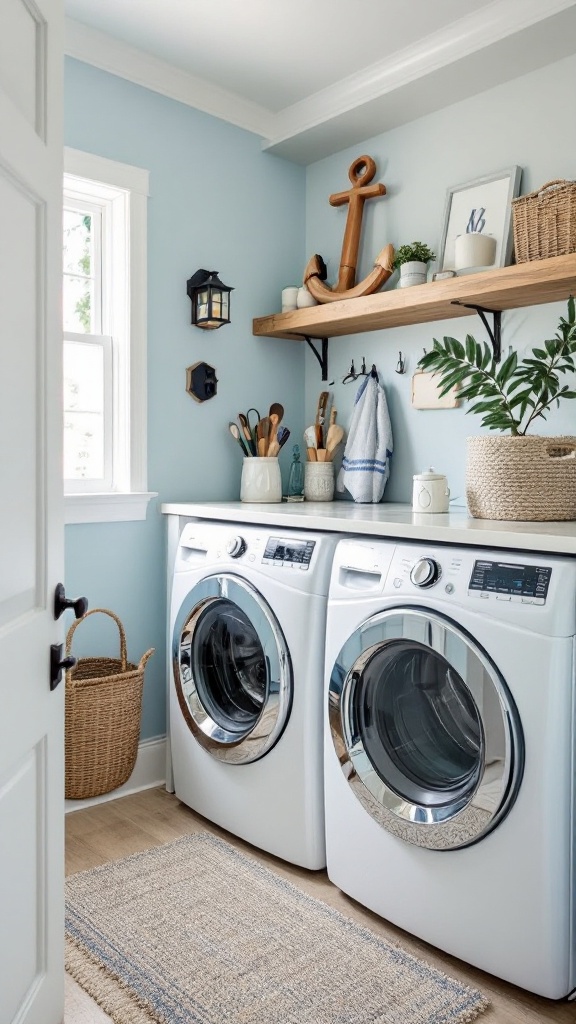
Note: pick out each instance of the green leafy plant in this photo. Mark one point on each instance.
(415, 251)
(512, 394)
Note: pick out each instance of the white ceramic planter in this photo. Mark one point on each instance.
(413, 272)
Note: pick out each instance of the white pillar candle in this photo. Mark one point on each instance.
(474, 250)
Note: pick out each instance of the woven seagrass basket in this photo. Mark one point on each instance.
(545, 221)
(103, 709)
(521, 478)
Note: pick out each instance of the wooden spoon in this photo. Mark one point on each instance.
(276, 410)
(262, 431)
(335, 435)
(272, 428)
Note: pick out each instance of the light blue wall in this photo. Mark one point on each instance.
(216, 201)
(525, 122)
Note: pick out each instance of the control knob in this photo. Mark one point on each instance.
(236, 546)
(425, 573)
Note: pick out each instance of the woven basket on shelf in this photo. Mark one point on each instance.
(103, 707)
(545, 221)
(521, 478)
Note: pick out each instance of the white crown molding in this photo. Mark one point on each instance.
(468, 36)
(464, 37)
(109, 54)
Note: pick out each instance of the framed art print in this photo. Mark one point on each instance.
(484, 206)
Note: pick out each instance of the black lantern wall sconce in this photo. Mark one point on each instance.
(210, 299)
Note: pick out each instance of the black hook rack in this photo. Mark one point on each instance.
(322, 358)
(495, 332)
(353, 374)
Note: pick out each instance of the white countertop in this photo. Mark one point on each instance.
(390, 520)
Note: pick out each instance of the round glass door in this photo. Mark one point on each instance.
(232, 669)
(425, 729)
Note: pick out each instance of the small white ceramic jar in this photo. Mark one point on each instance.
(289, 299)
(304, 298)
(430, 492)
(261, 480)
(319, 481)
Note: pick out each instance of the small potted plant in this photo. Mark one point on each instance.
(413, 260)
(514, 477)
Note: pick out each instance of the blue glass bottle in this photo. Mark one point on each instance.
(296, 477)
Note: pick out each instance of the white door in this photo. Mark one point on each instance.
(31, 512)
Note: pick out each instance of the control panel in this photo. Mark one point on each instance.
(508, 581)
(295, 553)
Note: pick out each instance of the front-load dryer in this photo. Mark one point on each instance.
(247, 633)
(449, 750)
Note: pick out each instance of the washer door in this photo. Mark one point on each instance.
(425, 729)
(232, 669)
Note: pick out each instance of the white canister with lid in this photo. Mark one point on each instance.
(430, 492)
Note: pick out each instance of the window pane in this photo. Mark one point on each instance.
(83, 411)
(78, 237)
(78, 297)
(81, 249)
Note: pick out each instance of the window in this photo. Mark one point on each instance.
(104, 311)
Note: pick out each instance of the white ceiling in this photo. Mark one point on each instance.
(314, 76)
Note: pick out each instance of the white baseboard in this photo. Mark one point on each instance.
(149, 771)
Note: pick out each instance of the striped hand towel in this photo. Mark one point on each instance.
(366, 464)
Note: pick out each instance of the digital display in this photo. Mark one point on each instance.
(508, 578)
(288, 552)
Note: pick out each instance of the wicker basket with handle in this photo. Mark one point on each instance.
(521, 478)
(545, 221)
(103, 708)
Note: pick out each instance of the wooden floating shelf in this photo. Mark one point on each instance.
(527, 284)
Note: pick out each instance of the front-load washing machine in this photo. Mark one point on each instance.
(449, 750)
(247, 625)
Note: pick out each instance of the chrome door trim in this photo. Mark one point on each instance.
(463, 821)
(224, 745)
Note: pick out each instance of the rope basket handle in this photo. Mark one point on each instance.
(104, 611)
(555, 183)
(561, 450)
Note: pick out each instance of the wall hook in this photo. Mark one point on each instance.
(400, 365)
(353, 374)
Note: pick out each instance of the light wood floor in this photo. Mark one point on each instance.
(120, 827)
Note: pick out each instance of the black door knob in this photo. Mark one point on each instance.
(58, 664)
(61, 603)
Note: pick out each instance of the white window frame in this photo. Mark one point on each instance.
(124, 190)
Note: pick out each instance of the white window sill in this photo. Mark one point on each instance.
(107, 508)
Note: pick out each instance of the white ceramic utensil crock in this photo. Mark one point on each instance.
(261, 480)
(430, 492)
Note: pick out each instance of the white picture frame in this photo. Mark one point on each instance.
(488, 201)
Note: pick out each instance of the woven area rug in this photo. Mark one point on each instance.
(195, 932)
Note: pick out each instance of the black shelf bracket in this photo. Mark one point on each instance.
(322, 358)
(495, 332)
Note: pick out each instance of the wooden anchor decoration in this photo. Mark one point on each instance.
(361, 172)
